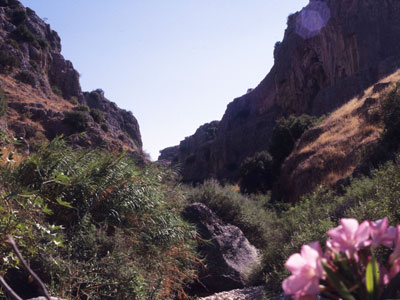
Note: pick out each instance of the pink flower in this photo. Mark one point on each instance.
(350, 237)
(306, 271)
(381, 234)
(396, 252)
(395, 269)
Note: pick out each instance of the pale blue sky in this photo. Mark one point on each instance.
(175, 64)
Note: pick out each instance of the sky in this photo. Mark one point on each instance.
(175, 64)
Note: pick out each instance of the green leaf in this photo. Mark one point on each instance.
(47, 210)
(63, 179)
(63, 203)
(338, 284)
(372, 279)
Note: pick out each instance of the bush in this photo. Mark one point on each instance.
(19, 16)
(97, 115)
(257, 173)
(11, 3)
(240, 210)
(13, 43)
(23, 34)
(285, 134)
(57, 91)
(77, 120)
(124, 237)
(391, 118)
(104, 127)
(83, 108)
(3, 103)
(8, 61)
(97, 94)
(26, 77)
(73, 100)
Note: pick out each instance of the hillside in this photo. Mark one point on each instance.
(43, 92)
(318, 67)
(331, 152)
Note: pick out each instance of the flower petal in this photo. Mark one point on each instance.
(350, 227)
(295, 263)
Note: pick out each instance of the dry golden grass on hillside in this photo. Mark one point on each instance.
(332, 150)
(18, 92)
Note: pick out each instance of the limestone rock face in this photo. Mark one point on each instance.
(40, 86)
(332, 50)
(229, 256)
(194, 153)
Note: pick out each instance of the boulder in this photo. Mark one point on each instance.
(250, 293)
(229, 256)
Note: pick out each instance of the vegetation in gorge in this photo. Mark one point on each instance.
(95, 225)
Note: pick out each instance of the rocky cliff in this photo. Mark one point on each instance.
(332, 50)
(44, 94)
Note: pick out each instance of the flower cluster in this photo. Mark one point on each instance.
(348, 269)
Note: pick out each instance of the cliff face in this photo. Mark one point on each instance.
(332, 50)
(43, 91)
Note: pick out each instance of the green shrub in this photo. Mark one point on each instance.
(104, 127)
(82, 107)
(257, 173)
(10, 3)
(77, 120)
(3, 103)
(73, 100)
(366, 198)
(124, 237)
(56, 90)
(97, 94)
(391, 118)
(97, 115)
(23, 34)
(285, 134)
(26, 77)
(8, 61)
(13, 43)
(231, 206)
(19, 16)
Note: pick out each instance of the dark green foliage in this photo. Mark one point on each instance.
(36, 67)
(13, 43)
(281, 231)
(247, 213)
(83, 108)
(8, 61)
(26, 77)
(3, 103)
(391, 118)
(97, 94)
(123, 234)
(73, 100)
(285, 134)
(11, 3)
(23, 34)
(97, 115)
(56, 90)
(77, 120)
(19, 16)
(104, 127)
(257, 173)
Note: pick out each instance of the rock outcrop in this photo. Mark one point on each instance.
(251, 293)
(42, 88)
(332, 50)
(228, 254)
